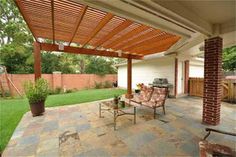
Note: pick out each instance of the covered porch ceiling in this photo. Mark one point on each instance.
(91, 31)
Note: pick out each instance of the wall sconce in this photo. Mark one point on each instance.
(119, 53)
(61, 47)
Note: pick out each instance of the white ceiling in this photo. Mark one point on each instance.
(213, 11)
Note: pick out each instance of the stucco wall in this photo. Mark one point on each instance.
(146, 71)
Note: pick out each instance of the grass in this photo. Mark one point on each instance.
(12, 110)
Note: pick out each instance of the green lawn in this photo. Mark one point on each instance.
(12, 110)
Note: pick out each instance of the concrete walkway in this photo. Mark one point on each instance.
(77, 130)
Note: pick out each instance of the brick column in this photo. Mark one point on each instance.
(186, 76)
(212, 81)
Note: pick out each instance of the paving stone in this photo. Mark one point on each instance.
(175, 134)
(83, 127)
(49, 144)
(29, 140)
(138, 140)
(95, 152)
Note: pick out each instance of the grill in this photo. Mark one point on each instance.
(162, 83)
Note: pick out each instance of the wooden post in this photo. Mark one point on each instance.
(37, 61)
(129, 79)
(176, 77)
(186, 76)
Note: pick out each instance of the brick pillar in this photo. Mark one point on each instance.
(212, 81)
(56, 80)
(186, 76)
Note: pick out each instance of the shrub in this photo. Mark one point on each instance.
(36, 92)
(58, 90)
(69, 91)
(98, 85)
(107, 84)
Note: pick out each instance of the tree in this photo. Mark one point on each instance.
(229, 59)
(15, 40)
(101, 66)
(16, 49)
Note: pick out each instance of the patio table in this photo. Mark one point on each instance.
(117, 112)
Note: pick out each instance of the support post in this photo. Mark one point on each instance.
(129, 79)
(212, 81)
(176, 77)
(37, 61)
(186, 76)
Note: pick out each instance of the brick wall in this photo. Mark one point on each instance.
(68, 81)
(212, 81)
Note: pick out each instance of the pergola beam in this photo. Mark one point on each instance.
(78, 21)
(100, 25)
(118, 29)
(53, 25)
(78, 50)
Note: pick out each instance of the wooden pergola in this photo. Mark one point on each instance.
(86, 30)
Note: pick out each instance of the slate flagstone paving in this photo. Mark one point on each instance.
(77, 130)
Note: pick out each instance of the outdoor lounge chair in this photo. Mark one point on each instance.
(145, 95)
(209, 149)
(152, 97)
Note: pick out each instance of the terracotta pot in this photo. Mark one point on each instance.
(37, 109)
(116, 101)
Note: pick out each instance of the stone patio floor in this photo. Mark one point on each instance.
(77, 130)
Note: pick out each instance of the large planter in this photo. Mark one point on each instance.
(37, 109)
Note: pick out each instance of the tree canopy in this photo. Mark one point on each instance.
(16, 49)
(229, 59)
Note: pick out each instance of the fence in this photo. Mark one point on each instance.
(64, 81)
(196, 86)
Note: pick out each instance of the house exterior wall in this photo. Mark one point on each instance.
(196, 70)
(146, 71)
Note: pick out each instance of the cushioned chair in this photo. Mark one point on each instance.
(152, 97)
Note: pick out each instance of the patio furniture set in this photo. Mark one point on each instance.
(152, 97)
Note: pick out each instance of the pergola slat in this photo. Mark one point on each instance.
(69, 21)
(128, 35)
(101, 24)
(113, 32)
(77, 23)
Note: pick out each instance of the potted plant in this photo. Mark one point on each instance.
(116, 101)
(139, 86)
(37, 93)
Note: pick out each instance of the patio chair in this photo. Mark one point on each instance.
(145, 95)
(209, 149)
(152, 97)
(157, 99)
